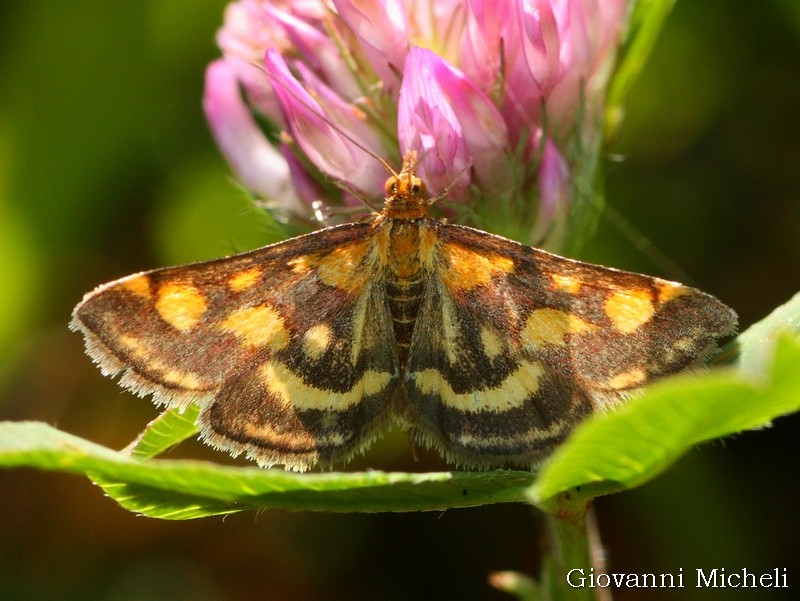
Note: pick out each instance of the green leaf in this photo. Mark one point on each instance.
(189, 489)
(752, 350)
(164, 432)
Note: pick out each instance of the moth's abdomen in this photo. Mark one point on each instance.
(404, 300)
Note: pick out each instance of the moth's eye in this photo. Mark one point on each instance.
(417, 187)
(391, 186)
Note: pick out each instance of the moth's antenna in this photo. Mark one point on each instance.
(646, 246)
(357, 193)
(335, 126)
(317, 110)
(446, 190)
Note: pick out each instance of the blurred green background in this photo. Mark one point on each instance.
(107, 167)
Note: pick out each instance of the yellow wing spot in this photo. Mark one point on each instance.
(630, 309)
(139, 285)
(132, 343)
(670, 290)
(186, 380)
(684, 344)
(551, 326)
(245, 279)
(566, 283)
(468, 269)
(138, 350)
(381, 242)
(428, 245)
(518, 386)
(299, 396)
(491, 344)
(629, 379)
(285, 438)
(316, 340)
(681, 347)
(344, 267)
(580, 326)
(301, 264)
(180, 305)
(358, 329)
(258, 326)
(451, 331)
(538, 434)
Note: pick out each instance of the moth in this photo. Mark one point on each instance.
(302, 352)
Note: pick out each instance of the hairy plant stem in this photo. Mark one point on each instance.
(572, 543)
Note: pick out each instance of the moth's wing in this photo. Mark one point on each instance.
(288, 349)
(513, 346)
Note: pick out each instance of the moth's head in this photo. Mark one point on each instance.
(406, 187)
